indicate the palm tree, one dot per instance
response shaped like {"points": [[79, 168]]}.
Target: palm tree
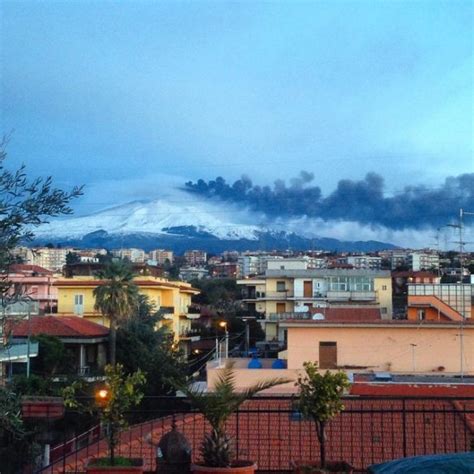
{"points": [[217, 406], [116, 298]]}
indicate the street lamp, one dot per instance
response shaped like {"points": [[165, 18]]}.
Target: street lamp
{"points": [[223, 324]]}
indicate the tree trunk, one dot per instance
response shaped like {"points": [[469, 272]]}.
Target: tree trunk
{"points": [[321, 433], [112, 342]]}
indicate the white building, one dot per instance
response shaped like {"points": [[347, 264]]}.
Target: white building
{"points": [[161, 256], [423, 261], [132, 254]]}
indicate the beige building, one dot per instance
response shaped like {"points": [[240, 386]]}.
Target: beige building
{"points": [[283, 292], [131, 254], [161, 256], [52, 259], [394, 346], [173, 298]]}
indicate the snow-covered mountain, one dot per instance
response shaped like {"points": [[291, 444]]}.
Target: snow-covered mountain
{"points": [[180, 222], [159, 216]]}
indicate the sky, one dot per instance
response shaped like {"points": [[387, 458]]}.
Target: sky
{"points": [[132, 98]]}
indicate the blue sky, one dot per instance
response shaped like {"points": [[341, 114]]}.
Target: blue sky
{"points": [[130, 97]]}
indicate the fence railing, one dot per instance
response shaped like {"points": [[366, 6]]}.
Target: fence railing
{"points": [[271, 431]]}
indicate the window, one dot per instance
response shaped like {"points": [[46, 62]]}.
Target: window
{"points": [[383, 311], [421, 314], [79, 304], [327, 355], [384, 287], [281, 286]]}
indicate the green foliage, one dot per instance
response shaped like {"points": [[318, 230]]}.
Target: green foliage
{"points": [[26, 204], [140, 344], [53, 357], [217, 406], [123, 391], [32, 385], [320, 398], [117, 298], [72, 258]]}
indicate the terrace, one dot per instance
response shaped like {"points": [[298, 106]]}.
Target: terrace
{"points": [[271, 431]]}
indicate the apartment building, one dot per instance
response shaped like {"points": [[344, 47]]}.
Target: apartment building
{"points": [[172, 298], [363, 261], [195, 258], [285, 291], [161, 256], [440, 301], [132, 254], [52, 259], [423, 261]]}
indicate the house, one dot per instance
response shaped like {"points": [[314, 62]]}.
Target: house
{"points": [[85, 339], [34, 284], [171, 298], [293, 288]]}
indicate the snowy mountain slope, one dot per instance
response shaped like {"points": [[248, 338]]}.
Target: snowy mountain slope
{"points": [[154, 217]]}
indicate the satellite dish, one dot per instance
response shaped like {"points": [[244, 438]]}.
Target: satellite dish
{"points": [[318, 317]]}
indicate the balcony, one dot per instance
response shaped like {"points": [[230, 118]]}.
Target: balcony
{"points": [[271, 432], [166, 311], [278, 295], [190, 335], [351, 296]]}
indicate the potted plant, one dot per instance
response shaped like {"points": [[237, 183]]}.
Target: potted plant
{"points": [[320, 399], [217, 449], [119, 393]]}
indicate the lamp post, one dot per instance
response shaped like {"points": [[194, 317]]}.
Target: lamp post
{"points": [[413, 347], [223, 324]]}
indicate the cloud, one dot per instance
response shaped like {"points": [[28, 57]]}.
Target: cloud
{"points": [[364, 202]]}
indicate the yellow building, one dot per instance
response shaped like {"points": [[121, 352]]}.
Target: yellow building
{"points": [[173, 298], [282, 292]]}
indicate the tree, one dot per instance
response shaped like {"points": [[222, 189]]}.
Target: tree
{"points": [[72, 258], [26, 204], [217, 406], [119, 394], [320, 399], [141, 345], [116, 298]]}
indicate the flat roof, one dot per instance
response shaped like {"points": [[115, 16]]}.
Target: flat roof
{"points": [[328, 272]]}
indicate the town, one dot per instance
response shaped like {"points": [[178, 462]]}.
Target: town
{"points": [[396, 322], [236, 237]]}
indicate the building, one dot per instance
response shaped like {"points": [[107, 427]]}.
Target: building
{"points": [[132, 254], [380, 346], [32, 283], [247, 265], [193, 273], [161, 256], [85, 340], [440, 301], [172, 298], [52, 259], [286, 291], [369, 262], [195, 258], [224, 270], [418, 261]]}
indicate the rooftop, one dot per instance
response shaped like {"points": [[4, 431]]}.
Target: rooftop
{"points": [[59, 326]]}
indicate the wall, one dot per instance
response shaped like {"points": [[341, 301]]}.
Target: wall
{"points": [[377, 347], [245, 378], [384, 296]]}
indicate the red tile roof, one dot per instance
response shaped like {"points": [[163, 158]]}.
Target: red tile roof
{"points": [[23, 268], [59, 326]]}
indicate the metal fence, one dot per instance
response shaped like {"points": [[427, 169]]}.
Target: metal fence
{"points": [[271, 431]]}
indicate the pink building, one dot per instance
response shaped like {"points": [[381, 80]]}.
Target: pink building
{"points": [[35, 283]]}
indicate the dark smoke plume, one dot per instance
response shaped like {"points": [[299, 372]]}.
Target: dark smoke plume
{"points": [[359, 201]]}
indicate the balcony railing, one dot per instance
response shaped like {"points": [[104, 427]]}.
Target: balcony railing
{"points": [[351, 295], [278, 295], [288, 316], [271, 432], [166, 309]]}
